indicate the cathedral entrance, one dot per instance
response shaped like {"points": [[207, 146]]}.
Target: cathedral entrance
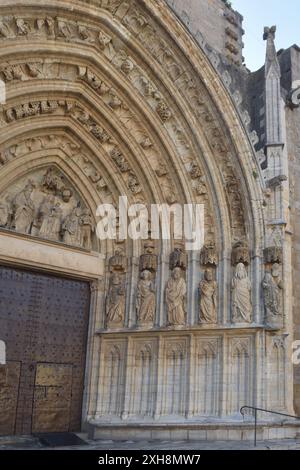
{"points": [[43, 321]]}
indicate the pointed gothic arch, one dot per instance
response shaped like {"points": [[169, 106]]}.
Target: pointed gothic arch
{"points": [[121, 99]]}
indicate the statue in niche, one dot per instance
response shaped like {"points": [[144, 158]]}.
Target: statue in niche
{"points": [[208, 298], [51, 219], [241, 295], [87, 228], [175, 298], [71, 228], [115, 301], [25, 210], [5, 213], [272, 288], [145, 301]]}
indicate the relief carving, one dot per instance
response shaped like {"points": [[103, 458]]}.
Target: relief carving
{"points": [[183, 79], [31, 109], [33, 144], [178, 259], [163, 111], [118, 261], [240, 253], [86, 230], [24, 209], [5, 212], [209, 255], [51, 215], [72, 228], [46, 207], [148, 261]]}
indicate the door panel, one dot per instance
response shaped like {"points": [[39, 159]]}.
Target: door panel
{"points": [[9, 387], [44, 320], [52, 397]]}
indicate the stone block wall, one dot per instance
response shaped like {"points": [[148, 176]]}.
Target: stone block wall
{"points": [[293, 138], [219, 25]]}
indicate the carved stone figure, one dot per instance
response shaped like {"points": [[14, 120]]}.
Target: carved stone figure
{"points": [[87, 227], [115, 301], [51, 181], [51, 220], [175, 298], [272, 288], [104, 40], [208, 298], [50, 26], [71, 228], [145, 301], [241, 295], [67, 203], [4, 29], [25, 209], [22, 27], [5, 212]]}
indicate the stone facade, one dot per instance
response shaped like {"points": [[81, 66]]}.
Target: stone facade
{"points": [[112, 98]]}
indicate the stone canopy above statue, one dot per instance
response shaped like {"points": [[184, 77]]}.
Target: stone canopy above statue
{"points": [[45, 205]]}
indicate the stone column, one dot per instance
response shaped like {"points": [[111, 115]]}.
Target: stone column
{"points": [[97, 319]]}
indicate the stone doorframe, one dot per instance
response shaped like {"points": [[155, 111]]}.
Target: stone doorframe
{"points": [[22, 251]]}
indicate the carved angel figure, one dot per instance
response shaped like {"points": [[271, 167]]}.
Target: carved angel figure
{"points": [[208, 298], [145, 300], [241, 295], [175, 298]]}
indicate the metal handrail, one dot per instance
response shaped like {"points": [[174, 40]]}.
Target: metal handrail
{"points": [[265, 411]]}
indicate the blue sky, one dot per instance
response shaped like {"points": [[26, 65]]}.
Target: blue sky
{"points": [[260, 13]]}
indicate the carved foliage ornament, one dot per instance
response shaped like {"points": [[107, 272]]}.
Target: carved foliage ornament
{"points": [[138, 24], [178, 259], [142, 26], [209, 255], [240, 253]]}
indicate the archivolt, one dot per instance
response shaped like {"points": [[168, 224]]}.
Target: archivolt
{"points": [[142, 55]]}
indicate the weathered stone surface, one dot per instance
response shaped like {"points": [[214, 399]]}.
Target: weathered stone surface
{"points": [[114, 98]]}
